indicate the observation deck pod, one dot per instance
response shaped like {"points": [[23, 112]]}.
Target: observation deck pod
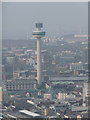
{"points": [[38, 33], [39, 25]]}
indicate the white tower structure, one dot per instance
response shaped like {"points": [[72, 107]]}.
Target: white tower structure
{"points": [[38, 34]]}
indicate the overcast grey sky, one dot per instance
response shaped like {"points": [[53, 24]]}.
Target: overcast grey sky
{"points": [[58, 18]]}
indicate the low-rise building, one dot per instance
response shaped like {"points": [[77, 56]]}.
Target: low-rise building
{"points": [[21, 84]]}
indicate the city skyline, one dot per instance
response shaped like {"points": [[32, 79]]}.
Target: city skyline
{"points": [[45, 66]]}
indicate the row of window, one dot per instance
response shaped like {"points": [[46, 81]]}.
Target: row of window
{"points": [[21, 87]]}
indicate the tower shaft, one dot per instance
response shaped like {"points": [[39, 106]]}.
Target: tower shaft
{"points": [[38, 34], [39, 77]]}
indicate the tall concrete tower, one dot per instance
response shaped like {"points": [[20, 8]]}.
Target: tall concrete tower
{"points": [[38, 34]]}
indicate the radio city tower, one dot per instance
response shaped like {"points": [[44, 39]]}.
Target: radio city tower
{"points": [[38, 34]]}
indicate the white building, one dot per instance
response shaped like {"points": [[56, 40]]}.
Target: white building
{"points": [[86, 94], [76, 66], [61, 96], [47, 96]]}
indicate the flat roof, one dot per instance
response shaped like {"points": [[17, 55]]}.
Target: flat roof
{"points": [[79, 108], [29, 113], [62, 82], [54, 78]]}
